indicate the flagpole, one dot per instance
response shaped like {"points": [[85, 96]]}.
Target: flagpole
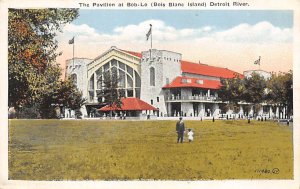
{"points": [[151, 41], [73, 51], [259, 63], [151, 37]]}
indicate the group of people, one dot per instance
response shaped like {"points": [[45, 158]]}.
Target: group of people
{"points": [[180, 129]]}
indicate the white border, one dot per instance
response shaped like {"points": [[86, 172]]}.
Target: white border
{"points": [[232, 184]]}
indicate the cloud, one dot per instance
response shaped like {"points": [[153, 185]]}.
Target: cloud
{"points": [[262, 32], [235, 48]]}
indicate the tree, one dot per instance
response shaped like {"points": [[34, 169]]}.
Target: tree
{"points": [[34, 77], [250, 90], [63, 94], [231, 91], [254, 89], [110, 94], [280, 90], [32, 50]]}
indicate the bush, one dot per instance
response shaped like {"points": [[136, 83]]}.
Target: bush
{"points": [[28, 112], [78, 113]]}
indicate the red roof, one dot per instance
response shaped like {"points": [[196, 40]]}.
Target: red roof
{"points": [[203, 69], [130, 103], [134, 53], [200, 69], [193, 82]]}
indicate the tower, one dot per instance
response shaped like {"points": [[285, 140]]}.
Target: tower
{"points": [[158, 68]]}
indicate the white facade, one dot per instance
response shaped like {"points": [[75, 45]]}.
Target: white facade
{"points": [[77, 70], [164, 67], [145, 75], [266, 75]]}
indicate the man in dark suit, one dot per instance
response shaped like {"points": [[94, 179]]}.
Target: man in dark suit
{"points": [[180, 130]]}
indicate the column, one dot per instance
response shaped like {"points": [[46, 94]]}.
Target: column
{"points": [[215, 110], [169, 110], [95, 88]]}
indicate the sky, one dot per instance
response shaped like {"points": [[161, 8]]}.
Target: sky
{"points": [[226, 38]]}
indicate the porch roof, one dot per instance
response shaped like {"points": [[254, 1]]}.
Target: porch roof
{"points": [[130, 103]]}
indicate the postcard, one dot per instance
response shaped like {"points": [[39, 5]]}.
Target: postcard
{"points": [[142, 93]]}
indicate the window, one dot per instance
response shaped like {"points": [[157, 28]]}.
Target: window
{"points": [[129, 93], [200, 81], [130, 70], [137, 79], [185, 80], [157, 99], [92, 82], [122, 65], [114, 62], [152, 76], [151, 102], [74, 79], [122, 79], [91, 96], [106, 66], [99, 84], [129, 82], [167, 81]]}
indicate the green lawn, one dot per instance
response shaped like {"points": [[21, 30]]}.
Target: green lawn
{"points": [[126, 150]]}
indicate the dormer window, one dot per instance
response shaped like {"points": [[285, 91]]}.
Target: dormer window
{"points": [[185, 80], [199, 81]]}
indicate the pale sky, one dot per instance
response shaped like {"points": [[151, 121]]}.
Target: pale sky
{"points": [[226, 38]]}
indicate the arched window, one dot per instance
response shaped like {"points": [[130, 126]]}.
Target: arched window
{"points": [[74, 79], [152, 76]]}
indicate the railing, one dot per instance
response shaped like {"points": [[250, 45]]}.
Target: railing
{"points": [[192, 98]]}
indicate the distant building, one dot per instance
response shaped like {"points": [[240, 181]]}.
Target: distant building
{"points": [[161, 79], [266, 75]]}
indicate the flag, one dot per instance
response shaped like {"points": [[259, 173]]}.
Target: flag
{"points": [[149, 32], [71, 41], [257, 61]]}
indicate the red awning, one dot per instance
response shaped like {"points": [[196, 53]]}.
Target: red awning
{"points": [[180, 82], [130, 103]]}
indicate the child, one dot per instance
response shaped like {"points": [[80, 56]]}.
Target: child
{"points": [[190, 135]]}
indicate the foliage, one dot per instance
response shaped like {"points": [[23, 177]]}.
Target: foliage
{"points": [[78, 113], [280, 90], [34, 80], [110, 94], [231, 91], [28, 112], [277, 90], [131, 150], [254, 89]]}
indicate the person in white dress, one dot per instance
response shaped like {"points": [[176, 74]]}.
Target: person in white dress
{"points": [[190, 135]]}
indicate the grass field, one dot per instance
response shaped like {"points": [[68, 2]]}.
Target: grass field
{"points": [[134, 150]]}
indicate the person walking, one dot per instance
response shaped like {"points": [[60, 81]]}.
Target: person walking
{"points": [[180, 128]]}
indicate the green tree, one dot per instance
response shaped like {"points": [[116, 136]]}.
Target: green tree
{"points": [[63, 94], [110, 94], [280, 90], [231, 91], [255, 90], [32, 50], [34, 77]]}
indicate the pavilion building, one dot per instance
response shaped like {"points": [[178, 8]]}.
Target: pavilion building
{"points": [[160, 78]]}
